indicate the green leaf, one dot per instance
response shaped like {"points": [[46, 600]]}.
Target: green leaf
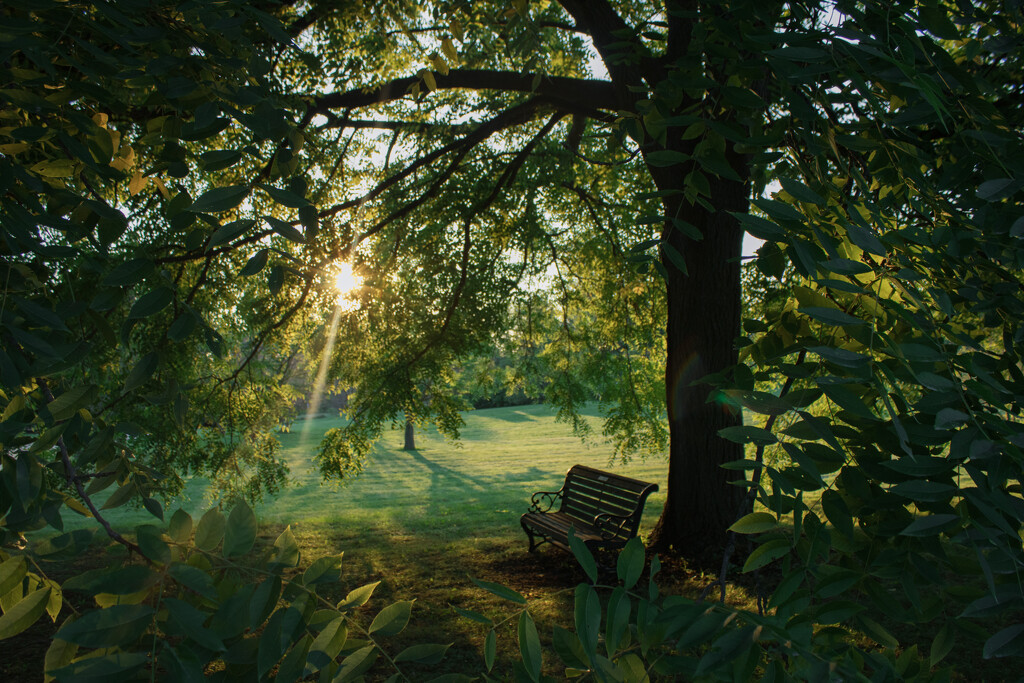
{"points": [[675, 258], [998, 189], [630, 563], [838, 611], [325, 569], [942, 644], [358, 596], [232, 230], [194, 579], [799, 54], [392, 619], [12, 571], [326, 646], [285, 229], [921, 490], [151, 303], [755, 523], [122, 581], [240, 532], [929, 525], [801, 192], [529, 645], [1008, 642], [356, 664], [285, 197], [426, 653], [490, 649], [837, 512], [567, 646], [210, 530], [220, 199], [747, 434], [500, 591], [118, 666], [121, 496], [264, 601], [765, 553], [114, 626], [256, 263], [474, 616], [142, 371], [151, 542], [760, 227], [831, 316], [286, 550], [180, 526], [24, 613], [129, 272], [219, 159], [619, 608], [292, 666], [583, 555], [587, 615], [666, 157], [877, 632], [67, 404]]}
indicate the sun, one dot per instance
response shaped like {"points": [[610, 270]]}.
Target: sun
{"points": [[346, 282]]}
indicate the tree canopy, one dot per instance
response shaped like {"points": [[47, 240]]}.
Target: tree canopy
{"points": [[179, 180]]}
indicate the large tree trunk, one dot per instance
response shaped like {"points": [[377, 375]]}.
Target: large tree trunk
{"points": [[702, 328]]}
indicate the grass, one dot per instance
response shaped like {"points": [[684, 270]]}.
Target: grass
{"points": [[478, 486], [423, 522]]}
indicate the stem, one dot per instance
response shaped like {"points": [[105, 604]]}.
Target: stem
{"points": [[748, 501], [73, 478]]}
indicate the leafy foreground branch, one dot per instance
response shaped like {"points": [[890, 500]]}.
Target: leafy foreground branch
{"points": [[207, 606], [204, 608]]}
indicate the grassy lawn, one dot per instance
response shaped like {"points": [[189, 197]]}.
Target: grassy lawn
{"points": [[422, 522], [477, 487]]}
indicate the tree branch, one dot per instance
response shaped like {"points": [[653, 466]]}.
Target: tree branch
{"points": [[571, 94], [72, 477]]}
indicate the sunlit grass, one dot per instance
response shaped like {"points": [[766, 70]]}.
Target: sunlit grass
{"points": [[477, 487]]}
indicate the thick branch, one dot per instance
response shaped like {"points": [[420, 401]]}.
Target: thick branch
{"points": [[608, 30], [571, 94], [511, 117]]}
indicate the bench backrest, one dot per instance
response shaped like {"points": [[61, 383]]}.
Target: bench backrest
{"points": [[589, 492]]}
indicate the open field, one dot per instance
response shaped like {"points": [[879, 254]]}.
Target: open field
{"points": [[477, 487], [423, 522]]}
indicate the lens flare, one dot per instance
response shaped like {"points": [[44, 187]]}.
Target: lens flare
{"points": [[346, 281]]}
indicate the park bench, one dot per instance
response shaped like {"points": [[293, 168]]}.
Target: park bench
{"points": [[603, 508]]}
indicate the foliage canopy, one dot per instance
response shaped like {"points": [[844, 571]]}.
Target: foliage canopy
{"points": [[178, 179]]}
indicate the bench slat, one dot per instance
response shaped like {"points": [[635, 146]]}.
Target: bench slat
{"points": [[589, 493]]}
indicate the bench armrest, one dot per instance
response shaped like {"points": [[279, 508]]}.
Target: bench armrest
{"points": [[611, 525], [542, 501]]}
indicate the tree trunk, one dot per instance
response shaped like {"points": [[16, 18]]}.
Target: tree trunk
{"points": [[703, 324], [410, 437]]}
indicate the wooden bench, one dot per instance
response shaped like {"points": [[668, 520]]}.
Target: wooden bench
{"points": [[603, 508]]}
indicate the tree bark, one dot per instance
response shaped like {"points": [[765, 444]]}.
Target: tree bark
{"points": [[703, 323], [410, 436]]}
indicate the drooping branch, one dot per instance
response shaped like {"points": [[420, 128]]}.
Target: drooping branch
{"points": [[72, 476], [513, 116]]}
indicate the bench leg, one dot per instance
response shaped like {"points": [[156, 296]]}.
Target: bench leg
{"points": [[530, 535]]}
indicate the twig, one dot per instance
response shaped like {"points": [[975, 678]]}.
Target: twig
{"points": [[748, 504], [73, 478]]}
